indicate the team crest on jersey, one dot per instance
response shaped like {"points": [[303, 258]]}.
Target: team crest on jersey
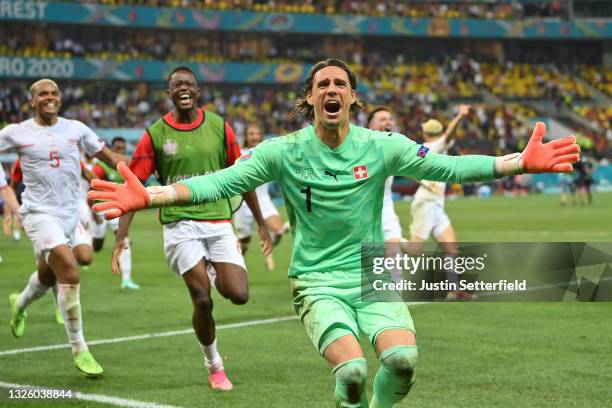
{"points": [[360, 172], [304, 174], [422, 152], [170, 147]]}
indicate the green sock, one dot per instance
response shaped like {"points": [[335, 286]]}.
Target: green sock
{"points": [[395, 376], [351, 378]]}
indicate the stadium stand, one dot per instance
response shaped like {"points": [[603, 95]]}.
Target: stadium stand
{"points": [[599, 77], [511, 77], [473, 9]]}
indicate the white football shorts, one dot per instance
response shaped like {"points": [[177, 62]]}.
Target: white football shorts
{"points": [[244, 219], [428, 218], [47, 232], [187, 242]]}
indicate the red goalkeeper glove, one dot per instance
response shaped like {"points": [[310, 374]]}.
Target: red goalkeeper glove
{"points": [[553, 157], [119, 199]]}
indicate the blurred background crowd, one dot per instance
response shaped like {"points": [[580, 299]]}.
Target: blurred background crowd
{"points": [[510, 82]]}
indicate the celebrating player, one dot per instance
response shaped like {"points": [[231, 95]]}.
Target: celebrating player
{"points": [[81, 245], [199, 241], [427, 209], [331, 218], [99, 225], [243, 218], [48, 148]]}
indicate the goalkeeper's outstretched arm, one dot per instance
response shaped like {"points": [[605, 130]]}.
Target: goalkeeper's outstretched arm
{"points": [[556, 156], [119, 199]]}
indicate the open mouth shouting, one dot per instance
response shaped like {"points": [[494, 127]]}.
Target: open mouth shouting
{"points": [[332, 108]]}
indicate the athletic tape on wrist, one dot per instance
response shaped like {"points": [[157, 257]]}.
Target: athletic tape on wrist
{"points": [[161, 196], [509, 165]]}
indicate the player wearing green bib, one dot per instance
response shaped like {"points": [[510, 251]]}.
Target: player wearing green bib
{"points": [[332, 175], [99, 225], [199, 242]]}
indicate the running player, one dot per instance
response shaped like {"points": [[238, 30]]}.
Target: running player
{"points": [[81, 245], [199, 242], [48, 148], [427, 209], [331, 218], [99, 225], [243, 218]]}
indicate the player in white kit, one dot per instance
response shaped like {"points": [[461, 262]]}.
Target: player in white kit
{"points": [[48, 148], [243, 218], [81, 245], [427, 209], [381, 119]]}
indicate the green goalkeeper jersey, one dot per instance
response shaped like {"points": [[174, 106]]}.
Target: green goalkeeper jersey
{"points": [[334, 196]]}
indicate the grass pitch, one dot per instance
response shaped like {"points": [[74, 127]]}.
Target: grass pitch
{"points": [[479, 354]]}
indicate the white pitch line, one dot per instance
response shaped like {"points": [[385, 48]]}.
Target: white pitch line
{"points": [[162, 334], [147, 336], [104, 399]]}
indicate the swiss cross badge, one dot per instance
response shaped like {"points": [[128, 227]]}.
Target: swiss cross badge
{"points": [[360, 172]]}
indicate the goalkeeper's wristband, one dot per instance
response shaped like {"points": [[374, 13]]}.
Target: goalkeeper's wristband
{"points": [[508, 165], [161, 196]]}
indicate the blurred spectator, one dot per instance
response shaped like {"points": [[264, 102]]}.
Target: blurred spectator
{"points": [[599, 77], [532, 81]]}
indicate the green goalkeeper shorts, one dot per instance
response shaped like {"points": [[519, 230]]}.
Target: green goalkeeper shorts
{"points": [[330, 306]]}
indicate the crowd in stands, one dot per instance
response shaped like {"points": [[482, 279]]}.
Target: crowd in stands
{"points": [[120, 44], [374, 8], [487, 130], [393, 83], [599, 77], [418, 78], [532, 81], [388, 69], [125, 43], [600, 131], [600, 117], [113, 105]]}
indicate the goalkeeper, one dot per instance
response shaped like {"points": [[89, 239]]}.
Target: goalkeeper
{"points": [[331, 216]]}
